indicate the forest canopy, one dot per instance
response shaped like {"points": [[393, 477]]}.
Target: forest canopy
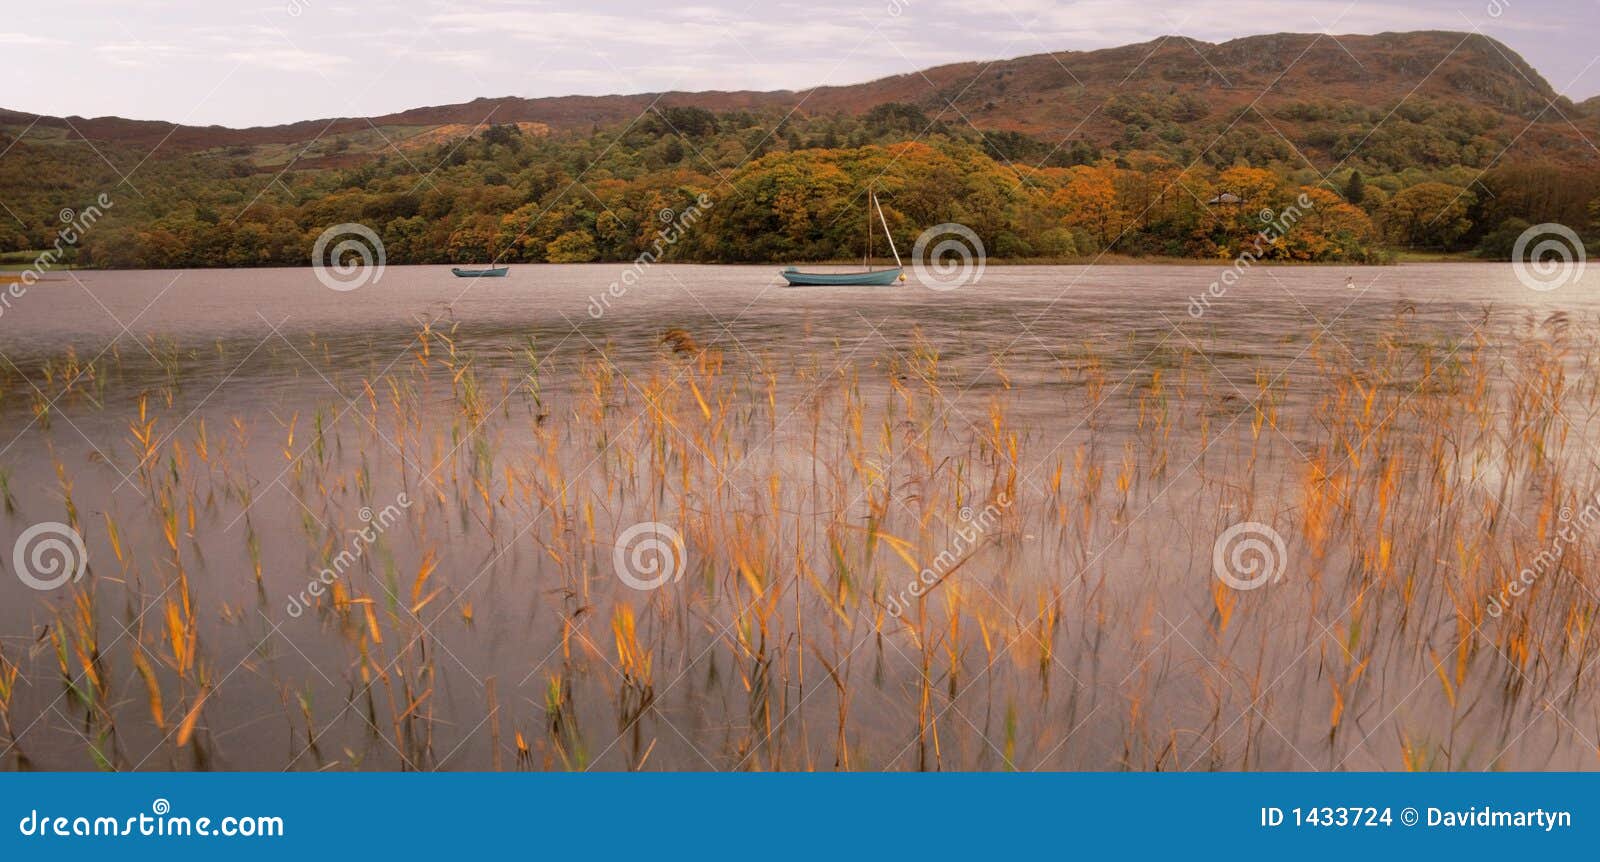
{"points": [[793, 189]]}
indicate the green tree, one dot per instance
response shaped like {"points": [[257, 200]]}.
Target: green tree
{"points": [[1498, 243], [1355, 191], [574, 246], [1432, 215]]}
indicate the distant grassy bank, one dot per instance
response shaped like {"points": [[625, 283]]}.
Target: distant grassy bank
{"points": [[12, 263]]}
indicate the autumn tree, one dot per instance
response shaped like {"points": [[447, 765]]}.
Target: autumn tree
{"points": [[1329, 228], [572, 247], [1089, 203], [1430, 215]]}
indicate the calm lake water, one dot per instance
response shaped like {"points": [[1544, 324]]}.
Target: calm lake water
{"points": [[1031, 315], [1069, 303], [1059, 446]]}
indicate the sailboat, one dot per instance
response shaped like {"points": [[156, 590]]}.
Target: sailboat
{"points": [[487, 272], [871, 276]]}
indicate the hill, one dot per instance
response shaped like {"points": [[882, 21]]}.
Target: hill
{"points": [[1303, 83], [1139, 137]]}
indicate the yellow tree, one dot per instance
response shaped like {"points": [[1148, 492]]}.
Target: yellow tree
{"points": [[1089, 201], [1149, 192], [1244, 195], [1429, 214], [1255, 187], [1328, 228]]}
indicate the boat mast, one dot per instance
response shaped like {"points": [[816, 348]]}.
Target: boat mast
{"points": [[885, 223], [866, 262]]}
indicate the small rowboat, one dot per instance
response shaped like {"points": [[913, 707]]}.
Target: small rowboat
{"points": [[797, 278], [491, 272], [897, 273]]}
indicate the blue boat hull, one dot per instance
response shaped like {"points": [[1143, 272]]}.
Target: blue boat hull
{"points": [[874, 277], [496, 272]]}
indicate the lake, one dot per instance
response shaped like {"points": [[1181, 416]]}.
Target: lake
{"points": [[1105, 517]]}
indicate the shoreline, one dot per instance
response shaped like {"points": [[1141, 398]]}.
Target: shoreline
{"points": [[12, 276]]}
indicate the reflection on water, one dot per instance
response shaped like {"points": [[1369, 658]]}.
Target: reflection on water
{"points": [[864, 528]]}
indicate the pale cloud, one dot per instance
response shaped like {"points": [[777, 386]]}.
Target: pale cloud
{"points": [[273, 62], [466, 59], [703, 30], [28, 39], [288, 59], [137, 54]]}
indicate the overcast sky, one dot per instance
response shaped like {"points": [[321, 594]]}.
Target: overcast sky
{"points": [[262, 62]]}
